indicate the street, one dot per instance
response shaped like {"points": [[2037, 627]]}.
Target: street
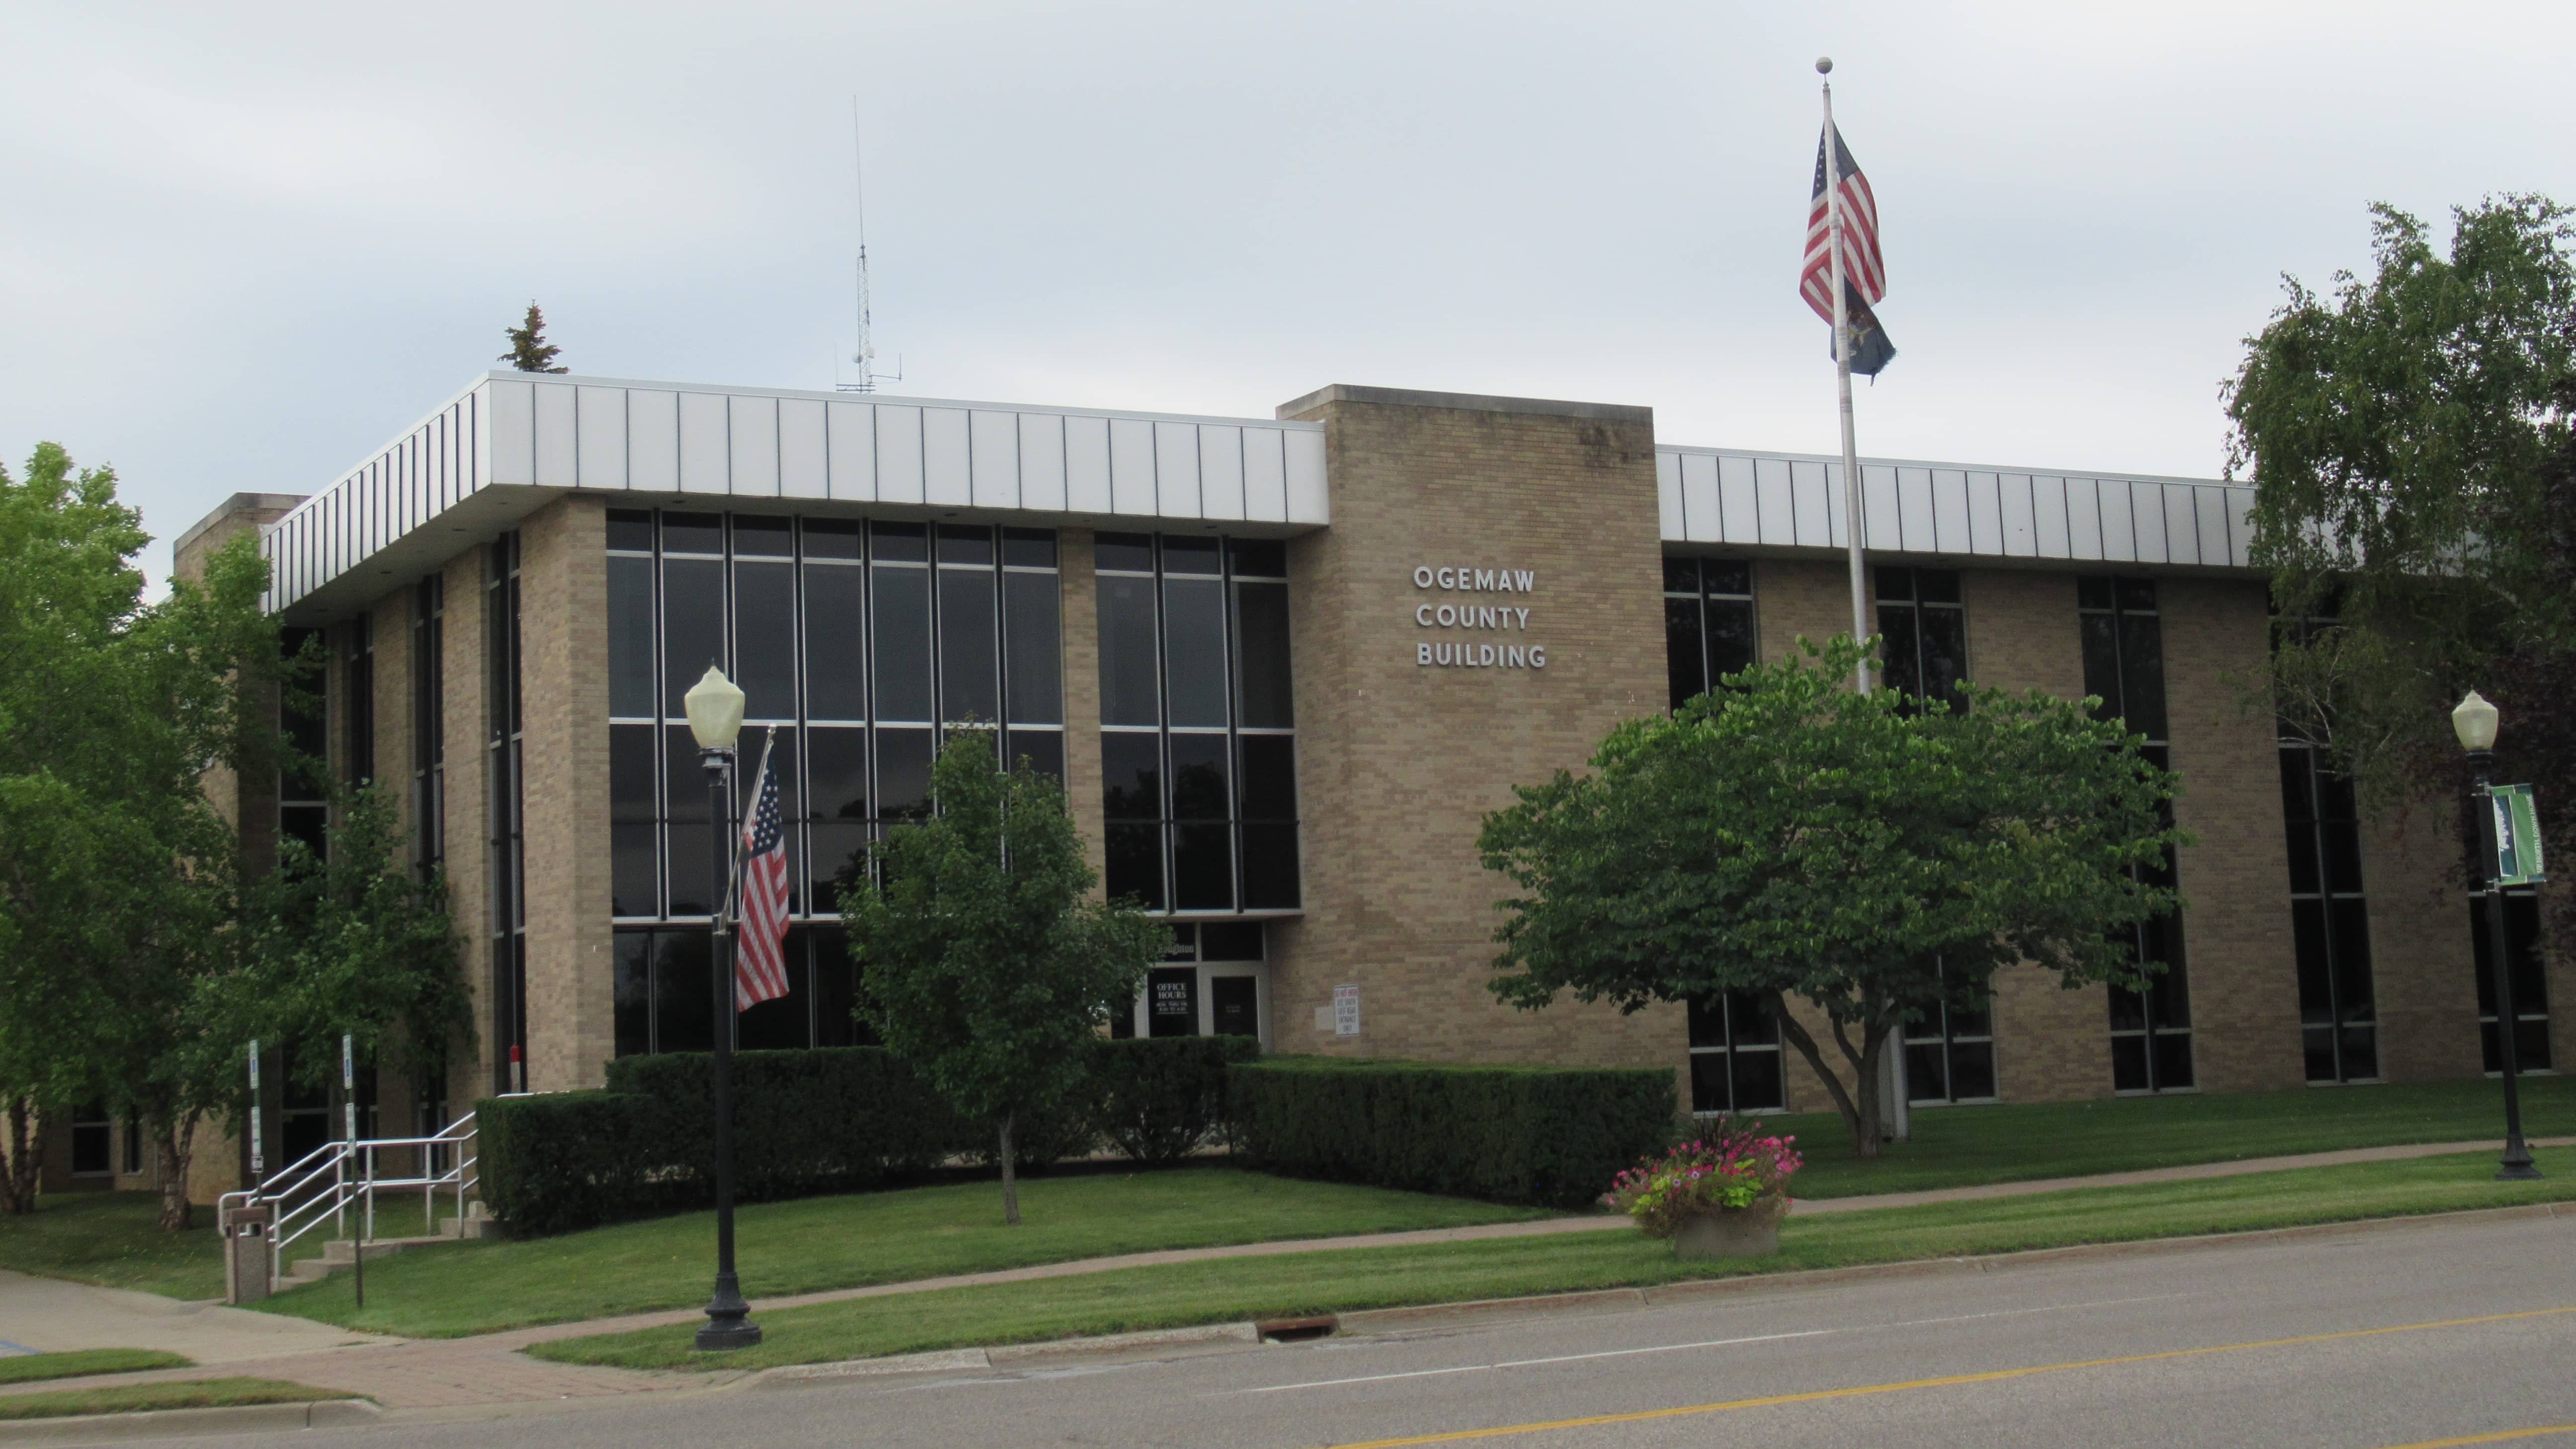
{"points": [[2417, 1334]]}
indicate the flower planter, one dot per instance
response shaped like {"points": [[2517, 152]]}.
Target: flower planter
{"points": [[1745, 1232]]}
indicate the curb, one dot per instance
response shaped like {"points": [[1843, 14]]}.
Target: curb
{"points": [[1444, 1316], [1614, 1300], [999, 1355], [178, 1423]]}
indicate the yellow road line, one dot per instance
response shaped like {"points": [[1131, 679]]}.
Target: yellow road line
{"points": [[1455, 1436], [2500, 1437]]}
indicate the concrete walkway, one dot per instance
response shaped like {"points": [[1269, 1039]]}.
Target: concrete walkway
{"points": [[488, 1369]]}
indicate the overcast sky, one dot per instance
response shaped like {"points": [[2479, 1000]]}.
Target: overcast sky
{"points": [[242, 245]]}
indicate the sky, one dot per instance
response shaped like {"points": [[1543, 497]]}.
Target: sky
{"points": [[242, 246]]}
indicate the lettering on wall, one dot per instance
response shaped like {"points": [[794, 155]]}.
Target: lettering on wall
{"points": [[1479, 632]]}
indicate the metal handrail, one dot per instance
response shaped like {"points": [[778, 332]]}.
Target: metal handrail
{"points": [[303, 1199]]}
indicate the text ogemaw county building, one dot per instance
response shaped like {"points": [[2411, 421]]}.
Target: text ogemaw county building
{"points": [[1283, 666]]}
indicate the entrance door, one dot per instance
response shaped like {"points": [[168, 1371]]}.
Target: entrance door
{"points": [[1236, 1005]]}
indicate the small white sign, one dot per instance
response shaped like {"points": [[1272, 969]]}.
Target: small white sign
{"points": [[1346, 1011]]}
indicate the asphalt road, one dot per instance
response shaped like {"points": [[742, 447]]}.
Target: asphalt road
{"points": [[2430, 1334]]}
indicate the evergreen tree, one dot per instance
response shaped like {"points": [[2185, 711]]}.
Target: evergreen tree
{"points": [[529, 349]]}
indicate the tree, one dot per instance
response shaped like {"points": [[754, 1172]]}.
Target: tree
{"points": [[1871, 855], [120, 880], [988, 965], [349, 943], [2412, 440], [529, 349]]}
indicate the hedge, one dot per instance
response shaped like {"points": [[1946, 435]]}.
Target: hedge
{"points": [[1547, 1135], [836, 1119], [1158, 1099]]}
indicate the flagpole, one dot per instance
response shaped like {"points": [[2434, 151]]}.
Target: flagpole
{"points": [[1842, 378], [1898, 1094]]}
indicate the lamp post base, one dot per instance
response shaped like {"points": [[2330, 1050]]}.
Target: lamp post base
{"points": [[2517, 1166], [728, 1322]]}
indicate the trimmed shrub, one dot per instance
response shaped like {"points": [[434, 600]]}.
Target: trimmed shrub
{"points": [[1548, 1135], [837, 1119], [566, 1160], [1156, 1099]]}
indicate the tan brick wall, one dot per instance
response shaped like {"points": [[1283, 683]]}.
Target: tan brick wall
{"points": [[1398, 763], [2051, 1044], [2235, 880], [1081, 615], [2423, 970], [1797, 599], [563, 631]]}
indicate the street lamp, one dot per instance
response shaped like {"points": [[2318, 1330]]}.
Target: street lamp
{"points": [[714, 706], [2474, 721]]}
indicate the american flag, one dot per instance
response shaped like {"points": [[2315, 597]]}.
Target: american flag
{"points": [[760, 966], [1864, 269]]}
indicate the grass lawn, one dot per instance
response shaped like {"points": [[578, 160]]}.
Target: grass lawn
{"points": [[189, 1394], [28, 1368], [843, 1242], [1350, 1279], [1961, 1146], [111, 1239], [818, 1243]]}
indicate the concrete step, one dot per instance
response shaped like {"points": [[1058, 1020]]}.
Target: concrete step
{"points": [[341, 1252]]}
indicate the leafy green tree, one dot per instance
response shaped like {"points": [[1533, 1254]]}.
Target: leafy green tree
{"points": [[987, 964], [2412, 440], [120, 881], [1870, 856], [529, 349], [348, 943]]}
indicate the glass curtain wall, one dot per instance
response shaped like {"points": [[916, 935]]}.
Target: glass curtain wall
{"points": [[1950, 1054], [856, 644], [2329, 907], [504, 726], [428, 723], [304, 717], [1708, 622], [1735, 1056], [358, 675], [1923, 621], [2124, 667], [2530, 978], [1198, 738]]}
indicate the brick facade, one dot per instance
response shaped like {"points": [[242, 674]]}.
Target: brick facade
{"points": [[1399, 762]]}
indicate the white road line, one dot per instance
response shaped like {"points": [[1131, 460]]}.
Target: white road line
{"points": [[1475, 1368], [1709, 1343]]}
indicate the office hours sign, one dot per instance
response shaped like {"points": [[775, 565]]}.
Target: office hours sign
{"points": [[1474, 618]]}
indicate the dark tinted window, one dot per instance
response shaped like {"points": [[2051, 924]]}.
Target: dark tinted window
{"points": [[630, 529], [761, 537], [901, 600], [1127, 552], [630, 637], [1033, 648], [1128, 658]]}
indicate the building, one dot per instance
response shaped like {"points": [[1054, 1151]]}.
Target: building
{"points": [[1283, 666]]}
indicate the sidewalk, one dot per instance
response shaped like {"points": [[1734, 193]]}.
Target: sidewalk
{"points": [[489, 1369]]}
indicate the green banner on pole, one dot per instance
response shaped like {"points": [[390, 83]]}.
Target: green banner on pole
{"points": [[2517, 836]]}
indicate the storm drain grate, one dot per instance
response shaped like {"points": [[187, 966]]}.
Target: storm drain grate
{"points": [[1296, 1330]]}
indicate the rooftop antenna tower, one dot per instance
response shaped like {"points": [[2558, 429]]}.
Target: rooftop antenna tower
{"points": [[866, 357]]}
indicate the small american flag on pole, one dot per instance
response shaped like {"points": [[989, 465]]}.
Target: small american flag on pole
{"points": [[1864, 269], [760, 966]]}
